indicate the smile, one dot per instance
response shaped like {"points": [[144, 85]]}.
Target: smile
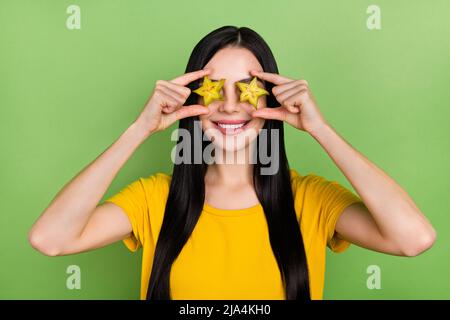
{"points": [[230, 127]]}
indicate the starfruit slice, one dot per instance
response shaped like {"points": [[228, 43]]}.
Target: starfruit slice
{"points": [[210, 90], [251, 92]]}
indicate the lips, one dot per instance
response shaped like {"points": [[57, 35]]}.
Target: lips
{"points": [[230, 127]]}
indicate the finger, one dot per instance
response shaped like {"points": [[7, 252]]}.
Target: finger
{"points": [[288, 99], [294, 100], [187, 111], [271, 77], [181, 91], [281, 97], [163, 85], [292, 108], [169, 96], [190, 76], [278, 113], [281, 88], [167, 102]]}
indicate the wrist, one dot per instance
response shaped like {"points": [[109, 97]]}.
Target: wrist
{"points": [[317, 131], [139, 130]]}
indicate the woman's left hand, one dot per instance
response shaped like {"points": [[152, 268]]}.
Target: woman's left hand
{"points": [[298, 107]]}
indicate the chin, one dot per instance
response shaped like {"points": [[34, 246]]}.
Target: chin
{"points": [[232, 135]]}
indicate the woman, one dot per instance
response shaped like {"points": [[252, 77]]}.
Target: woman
{"points": [[219, 230]]}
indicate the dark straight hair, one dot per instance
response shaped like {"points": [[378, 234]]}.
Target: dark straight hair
{"points": [[187, 188]]}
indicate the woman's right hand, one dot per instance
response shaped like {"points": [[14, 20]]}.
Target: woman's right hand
{"points": [[165, 106], [65, 226]]}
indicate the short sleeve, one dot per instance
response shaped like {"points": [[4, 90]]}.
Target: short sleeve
{"points": [[332, 198], [133, 201]]}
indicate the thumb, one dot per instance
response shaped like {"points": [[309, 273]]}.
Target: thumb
{"points": [[187, 111], [278, 113]]}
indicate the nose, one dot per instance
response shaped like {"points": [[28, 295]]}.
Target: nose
{"points": [[230, 101]]}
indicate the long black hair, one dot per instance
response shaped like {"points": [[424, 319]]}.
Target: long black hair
{"points": [[187, 188]]}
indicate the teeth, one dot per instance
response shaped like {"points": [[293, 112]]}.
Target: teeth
{"points": [[231, 126]]}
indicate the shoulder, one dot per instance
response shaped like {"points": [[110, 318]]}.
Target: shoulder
{"points": [[162, 178], [155, 179], [156, 187], [318, 203], [299, 183], [156, 184], [303, 182], [308, 192], [315, 188]]}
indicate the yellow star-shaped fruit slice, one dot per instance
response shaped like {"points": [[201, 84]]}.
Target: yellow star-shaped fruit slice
{"points": [[210, 90], [251, 92]]}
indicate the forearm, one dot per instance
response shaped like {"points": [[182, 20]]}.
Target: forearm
{"points": [[69, 211], [395, 213]]}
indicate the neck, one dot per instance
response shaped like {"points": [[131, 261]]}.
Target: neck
{"points": [[232, 168], [230, 174]]}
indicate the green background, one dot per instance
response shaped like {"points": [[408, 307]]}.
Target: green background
{"points": [[66, 95]]}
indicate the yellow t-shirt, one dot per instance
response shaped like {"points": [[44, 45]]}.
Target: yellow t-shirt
{"points": [[228, 255]]}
